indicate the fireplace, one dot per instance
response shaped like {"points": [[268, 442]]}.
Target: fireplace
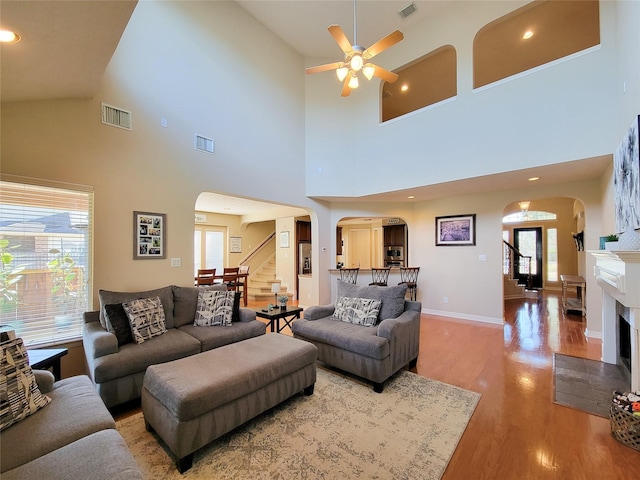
{"points": [[618, 274]]}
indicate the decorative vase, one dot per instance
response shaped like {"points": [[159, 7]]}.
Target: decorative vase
{"points": [[629, 240], [611, 246], [283, 299]]}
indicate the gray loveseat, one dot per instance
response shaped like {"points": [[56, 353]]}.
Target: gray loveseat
{"points": [[73, 437], [118, 370], [372, 352]]}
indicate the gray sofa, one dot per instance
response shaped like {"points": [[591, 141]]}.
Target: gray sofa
{"points": [[73, 437], [118, 371], [374, 353]]}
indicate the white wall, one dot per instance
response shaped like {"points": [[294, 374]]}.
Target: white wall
{"points": [[569, 111]]}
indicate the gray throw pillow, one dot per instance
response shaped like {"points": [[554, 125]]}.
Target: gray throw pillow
{"points": [[146, 317], [392, 298], [185, 301], [214, 308], [359, 311]]}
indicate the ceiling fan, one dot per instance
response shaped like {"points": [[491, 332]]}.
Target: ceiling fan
{"points": [[356, 58]]}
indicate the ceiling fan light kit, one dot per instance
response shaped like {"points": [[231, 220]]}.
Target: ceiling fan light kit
{"points": [[356, 58]]}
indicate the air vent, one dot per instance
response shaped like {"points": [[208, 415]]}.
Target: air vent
{"points": [[203, 144], [408, 10], [116, 117]]}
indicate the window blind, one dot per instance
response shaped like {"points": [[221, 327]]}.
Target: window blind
{"points": [[46, 251]]}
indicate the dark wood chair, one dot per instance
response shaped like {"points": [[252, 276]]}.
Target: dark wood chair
{"points": [[205, 276], [349, 275], [230, 278], [243, 281], [409, 275], [380, 276]]}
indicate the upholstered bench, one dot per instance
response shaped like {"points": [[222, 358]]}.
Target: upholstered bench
{"points": [[192, 401]]}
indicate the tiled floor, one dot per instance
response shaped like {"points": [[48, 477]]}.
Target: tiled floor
{"points": [[586, 385]]}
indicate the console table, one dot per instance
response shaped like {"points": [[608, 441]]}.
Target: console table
{"points": [[575, 304]]}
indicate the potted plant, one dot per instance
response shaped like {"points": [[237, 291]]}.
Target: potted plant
{"points": [[64, 293], [10, 275], [611, 242], [283, 299]]}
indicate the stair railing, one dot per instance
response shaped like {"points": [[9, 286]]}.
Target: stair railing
{"points": [[519, 268]]}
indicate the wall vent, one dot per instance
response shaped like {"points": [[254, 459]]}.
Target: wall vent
{"points": [[408, 10], [116, 117], [204, 144]]}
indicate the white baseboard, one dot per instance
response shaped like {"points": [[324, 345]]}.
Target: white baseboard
{"points": [[464, 316]]}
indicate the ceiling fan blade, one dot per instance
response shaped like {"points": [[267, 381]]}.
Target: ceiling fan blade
{"points": [[339, 36], [323, 68], [383, 44], [346, 89], [385, 75]]}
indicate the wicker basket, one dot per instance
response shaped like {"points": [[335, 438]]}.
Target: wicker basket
{"points": [[625, 427]]}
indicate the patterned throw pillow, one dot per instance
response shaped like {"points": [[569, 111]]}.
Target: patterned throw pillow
{"points": [[19, 392], [360, 311], [146, 317], [215, 308]]}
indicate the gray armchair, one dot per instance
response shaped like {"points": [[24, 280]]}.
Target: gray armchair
{"points": [[374, 353]]}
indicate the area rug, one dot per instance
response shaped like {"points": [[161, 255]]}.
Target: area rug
{"points": [[585, 384], [344, 430]]}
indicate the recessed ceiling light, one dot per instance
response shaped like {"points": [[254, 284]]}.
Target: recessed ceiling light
{"points": [[533, 179], [411, 196], [404, 88], [7, 36], [527, 35]]}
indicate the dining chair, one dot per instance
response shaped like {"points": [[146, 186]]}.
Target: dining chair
{"points": [[230, 278], [205, 276], [409, 275], [380, 276], [349, 275], [243, 281]]}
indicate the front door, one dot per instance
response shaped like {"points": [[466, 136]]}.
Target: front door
{"points": [[528, 241]]}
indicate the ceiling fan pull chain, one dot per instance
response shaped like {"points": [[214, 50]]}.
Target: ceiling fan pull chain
{"points": [[355, 24]]}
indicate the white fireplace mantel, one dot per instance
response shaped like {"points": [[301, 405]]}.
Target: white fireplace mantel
{"points": [[618, 274]]}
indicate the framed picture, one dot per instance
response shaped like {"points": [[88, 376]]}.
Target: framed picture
{"points": [[626, 179], [236, 245], [284, 239], [456, 230], [149, 235]]}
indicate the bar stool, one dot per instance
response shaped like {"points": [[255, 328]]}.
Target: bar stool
{"points": [[409, 275], [380, 276], [349, 275]]}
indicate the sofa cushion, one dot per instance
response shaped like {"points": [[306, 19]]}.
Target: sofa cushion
{"points": [[360, 311], [166, 297], [75, 411], [134, 358], [119, 321], [214, 308], [343, 335], [185, 301], [19, 392], [392, 298], [146, 317], [103, 455], [212, 337]]}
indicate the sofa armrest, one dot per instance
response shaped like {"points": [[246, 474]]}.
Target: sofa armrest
{"points": [[45, 380], [247, 315], [319, 311], [400, 327], [96, 340]]}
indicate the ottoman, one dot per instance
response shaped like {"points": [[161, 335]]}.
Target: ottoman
{"points": [[194, 400]]}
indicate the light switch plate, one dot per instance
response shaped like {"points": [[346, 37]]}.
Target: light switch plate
{"points": [[176, 262]]}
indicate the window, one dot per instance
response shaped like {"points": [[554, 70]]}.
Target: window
{"points": [[45, 272], [533, 216], [552, 254], [208, 248]]}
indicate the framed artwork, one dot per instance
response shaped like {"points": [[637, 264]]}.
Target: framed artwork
{"points": [[235, 245], [149, 235], [626, 179], [456, 230], [284, 239]]}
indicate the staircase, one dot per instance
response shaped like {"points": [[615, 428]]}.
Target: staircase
{"points": [[260, 283], [513, 290]]}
